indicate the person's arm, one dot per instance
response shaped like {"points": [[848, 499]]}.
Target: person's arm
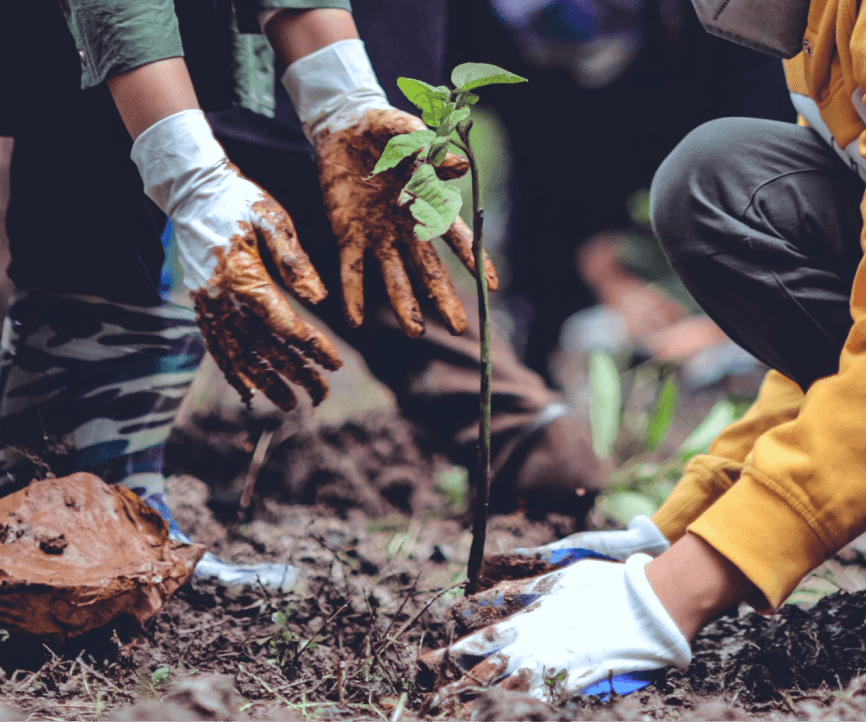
{"points": [[348, 119], [116, 36], [223, 222], [296, 33], [695, 584], [151, 92]]}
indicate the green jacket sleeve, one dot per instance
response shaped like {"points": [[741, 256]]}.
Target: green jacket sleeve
{"points": [[113, 36], [248, 9]]}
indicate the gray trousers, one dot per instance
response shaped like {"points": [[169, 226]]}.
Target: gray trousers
{"points": [[762, 222]]}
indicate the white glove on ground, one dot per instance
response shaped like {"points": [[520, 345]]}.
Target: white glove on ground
{"points": [[333, 87], [582, 624], [642, 535]]}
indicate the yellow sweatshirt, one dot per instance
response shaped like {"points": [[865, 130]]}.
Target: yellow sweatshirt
{"points": [[784, 488]]}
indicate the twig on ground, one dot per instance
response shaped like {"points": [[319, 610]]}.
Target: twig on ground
{"points": [[253, 471], [414, 619], [264, 685], [103, 678], [406, 597]]}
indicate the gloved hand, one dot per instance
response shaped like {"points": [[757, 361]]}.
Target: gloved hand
{"points": [[591, 622], [349, 121], [642, 535], [223, 223]]}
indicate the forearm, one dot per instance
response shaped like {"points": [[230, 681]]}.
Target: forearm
{"points": [[696, 584], [296, 33], [151, 92]]}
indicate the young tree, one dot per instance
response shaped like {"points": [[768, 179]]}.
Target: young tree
{"points": [[435, 205]]}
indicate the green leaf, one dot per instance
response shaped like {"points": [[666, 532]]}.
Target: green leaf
{"points": [[435, 204], [721, 416], [450, 121], [421, 94], [475, 75], [159, 676], [431, 100], [436, 114], [663, 414], [639, 208], [439, 151], [604, 404], [623, 506], [402, 146], [453, 484], [466, 98]]}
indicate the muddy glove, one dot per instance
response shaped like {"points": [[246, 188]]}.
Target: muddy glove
{"points": [[568, 631], [223, 223], [642, 535], [348, 119]]}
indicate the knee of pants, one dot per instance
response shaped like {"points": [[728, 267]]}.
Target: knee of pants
{"points": [[687, 184]]}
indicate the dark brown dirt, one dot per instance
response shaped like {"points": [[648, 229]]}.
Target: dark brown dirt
{"points": [[376, 464], [381, 570], [497, 568]]}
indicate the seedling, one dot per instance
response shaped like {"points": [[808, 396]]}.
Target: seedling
{"points": [[435, 205], [159, 676]]}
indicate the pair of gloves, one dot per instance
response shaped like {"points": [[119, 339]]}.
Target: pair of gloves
{"points": [[224, 224], [593, 626]]}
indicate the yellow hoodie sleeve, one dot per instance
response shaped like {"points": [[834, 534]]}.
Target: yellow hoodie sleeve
{"points": [[710, 475], [801, 495], [801, 491]]}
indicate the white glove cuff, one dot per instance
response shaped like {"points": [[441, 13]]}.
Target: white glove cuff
{"points": [[333, 87], [655, 622], [647, 537], [174, 156]]}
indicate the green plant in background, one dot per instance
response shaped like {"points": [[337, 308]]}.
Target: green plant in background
{"points": [[159, 676], [645, 474], [151, 684], [435, 205], [284, 645]]}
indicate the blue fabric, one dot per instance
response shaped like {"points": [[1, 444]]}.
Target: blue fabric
{"points": [[622, 684], [167, 277], [566, 557]]}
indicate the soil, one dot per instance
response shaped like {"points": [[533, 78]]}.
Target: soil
{"points": [[357, 505]]}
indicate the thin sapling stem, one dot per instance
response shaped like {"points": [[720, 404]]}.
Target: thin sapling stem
{"points": [[436, 206], [482, 489]]}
